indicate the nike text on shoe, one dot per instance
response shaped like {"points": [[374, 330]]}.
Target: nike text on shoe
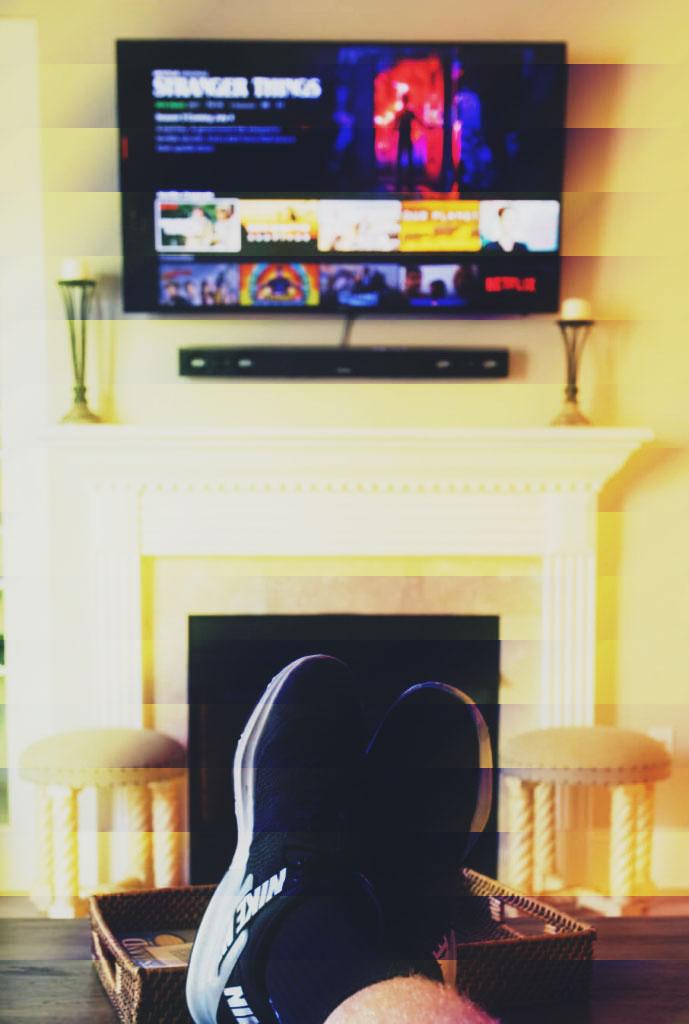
{"points": [[426, 795], [290, 874]]}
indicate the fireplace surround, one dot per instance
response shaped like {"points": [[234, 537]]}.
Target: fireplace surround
{"points": [[98, 502]]}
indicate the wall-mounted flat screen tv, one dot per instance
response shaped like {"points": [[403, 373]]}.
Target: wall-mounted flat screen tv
{"points": [[389, 178]]}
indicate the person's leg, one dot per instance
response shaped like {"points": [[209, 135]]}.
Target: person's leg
{"points": [[408, 1001]]}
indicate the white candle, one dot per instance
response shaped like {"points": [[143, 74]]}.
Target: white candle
{"points": [[576, 309], [75, 270]]}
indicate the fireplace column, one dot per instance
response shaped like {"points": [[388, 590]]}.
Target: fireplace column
{"points": [[116, 601], [569, 610]]}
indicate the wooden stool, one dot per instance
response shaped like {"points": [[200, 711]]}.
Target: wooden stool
{"points": [[143, 765], [628, 763]]}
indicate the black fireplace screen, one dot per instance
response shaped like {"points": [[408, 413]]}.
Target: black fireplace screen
{"points": [[233, 657]]}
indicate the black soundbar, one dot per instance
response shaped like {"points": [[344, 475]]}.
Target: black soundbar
{"points": [[390, 363]]}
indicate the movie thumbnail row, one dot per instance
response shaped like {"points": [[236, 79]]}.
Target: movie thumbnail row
{"points": [[186, 285], [201, 222]]}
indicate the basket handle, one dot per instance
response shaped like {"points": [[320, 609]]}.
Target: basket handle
{"points": [[107, 962], [555, 921]]}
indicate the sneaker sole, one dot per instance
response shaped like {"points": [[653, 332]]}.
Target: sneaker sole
{"points": [[484, 797], [205, 982]]}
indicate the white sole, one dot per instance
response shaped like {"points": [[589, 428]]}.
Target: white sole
{"points": [[204, 985], [484, 797]]}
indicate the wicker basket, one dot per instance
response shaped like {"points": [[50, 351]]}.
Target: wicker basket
{"points": [[543, 956], [498, 966], [144, 995]]}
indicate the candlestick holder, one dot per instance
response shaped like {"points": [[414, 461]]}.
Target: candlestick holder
{"points": [[574, 334], [77, 296]]}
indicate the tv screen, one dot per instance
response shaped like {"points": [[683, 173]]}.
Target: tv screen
{"points": [[390, 178]]}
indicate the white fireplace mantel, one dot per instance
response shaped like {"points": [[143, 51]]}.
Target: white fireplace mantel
{"points": [[92, 503], [453, 492], [526, 457]]}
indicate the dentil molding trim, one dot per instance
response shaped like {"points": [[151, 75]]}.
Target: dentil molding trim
{"points": [[370, 461]]}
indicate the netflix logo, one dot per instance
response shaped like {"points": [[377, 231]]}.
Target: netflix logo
{"points": [[497, 284]]}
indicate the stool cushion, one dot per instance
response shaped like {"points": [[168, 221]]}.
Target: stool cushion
{"points": [[590, 755], [103, 757]]}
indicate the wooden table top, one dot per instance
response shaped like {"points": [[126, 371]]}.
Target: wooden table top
{"points": [[641, 974]]}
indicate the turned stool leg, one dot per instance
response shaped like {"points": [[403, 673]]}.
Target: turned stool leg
{"points": [[644, 835], [623, 843], [520, 804], [42, 892], [65, 852], [138, 810], [544, 834], [167, 845]]}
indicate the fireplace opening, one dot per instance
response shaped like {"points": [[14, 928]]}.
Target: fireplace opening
{"points": [[233, 657]]}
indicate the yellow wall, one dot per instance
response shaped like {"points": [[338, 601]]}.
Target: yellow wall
{"points": [[626, 246]]}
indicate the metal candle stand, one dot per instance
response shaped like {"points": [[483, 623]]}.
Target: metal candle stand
{"points": [[574, 334], [77, 296]]}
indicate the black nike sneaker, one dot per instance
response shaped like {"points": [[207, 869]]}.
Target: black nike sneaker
{"points": [[292, 929], [425, 797]]}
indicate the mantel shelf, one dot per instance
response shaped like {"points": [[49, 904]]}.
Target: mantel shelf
{"points": [[494, 458]]}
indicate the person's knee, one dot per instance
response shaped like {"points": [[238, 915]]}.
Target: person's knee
{"points": [[408, 1001]]}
